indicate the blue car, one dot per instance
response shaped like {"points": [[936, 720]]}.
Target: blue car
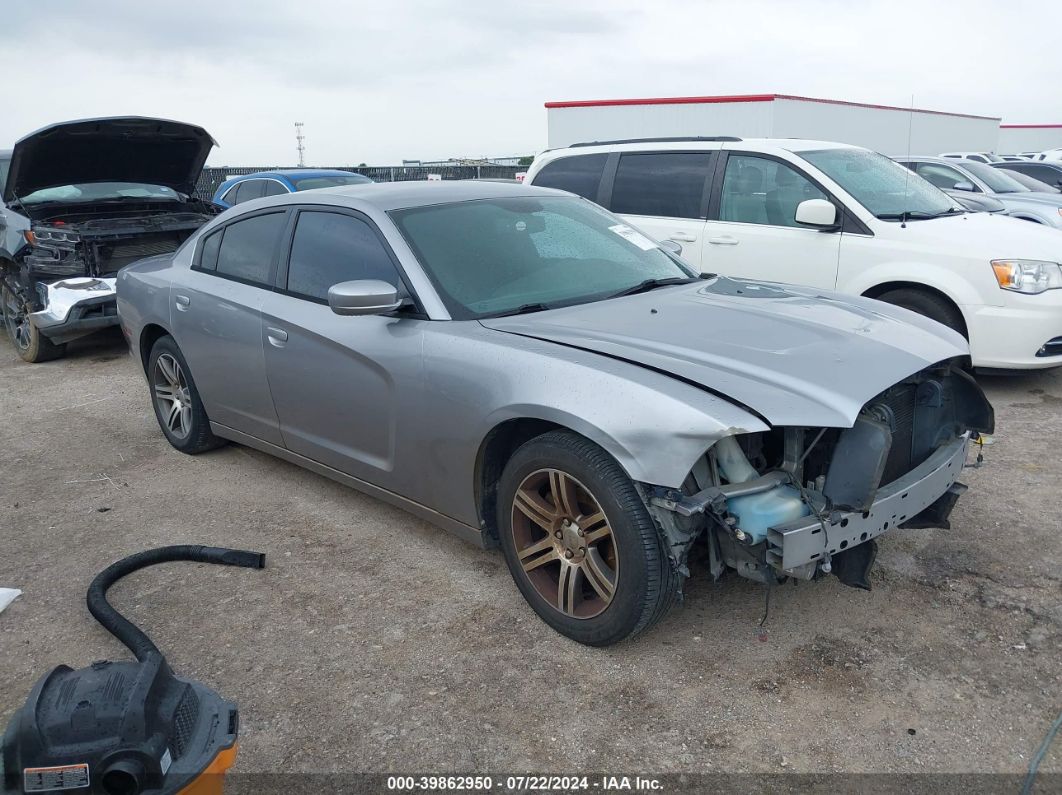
{"points": [[272, 183]]}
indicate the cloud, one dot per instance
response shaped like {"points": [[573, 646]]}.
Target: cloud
{"points": [[377, 82]]}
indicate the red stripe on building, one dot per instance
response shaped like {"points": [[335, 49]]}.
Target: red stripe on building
{"points": [[601, 103]]}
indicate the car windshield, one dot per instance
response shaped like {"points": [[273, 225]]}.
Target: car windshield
{"points": [[100, 191], [884, 187], [1032, 184], [492, 257], [309, 183], [997, 180]]}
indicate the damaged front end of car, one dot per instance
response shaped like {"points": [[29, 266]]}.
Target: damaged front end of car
{"points": [[83, 199], [802, 502]]}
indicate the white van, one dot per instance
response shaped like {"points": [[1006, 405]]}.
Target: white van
{"points": [[836, 217]]}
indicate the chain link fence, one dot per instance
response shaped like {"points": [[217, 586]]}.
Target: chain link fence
{"points": [[214, 176]]}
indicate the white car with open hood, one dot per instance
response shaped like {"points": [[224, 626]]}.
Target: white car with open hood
{"points": [[82, 199], [834, 217]]}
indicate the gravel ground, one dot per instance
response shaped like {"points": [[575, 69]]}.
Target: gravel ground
{"points": [[373, 642]]}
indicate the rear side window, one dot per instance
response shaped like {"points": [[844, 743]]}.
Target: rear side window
{"points": [[330, 248], [669, 184], [248, 247], [208, 256], [580, 175]]}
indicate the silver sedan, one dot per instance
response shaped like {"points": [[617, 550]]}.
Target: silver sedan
{"points": [[524, 369]]}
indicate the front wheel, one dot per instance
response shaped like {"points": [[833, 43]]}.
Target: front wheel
{"points": [[175, 399], [30, 344], [931, 305], [580, 543]]}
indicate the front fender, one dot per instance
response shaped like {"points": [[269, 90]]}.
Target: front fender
{"points": [[959, 289], [654, 425]]}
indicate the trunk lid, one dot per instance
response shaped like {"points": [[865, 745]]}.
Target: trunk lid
{"points": [[119, 149]]}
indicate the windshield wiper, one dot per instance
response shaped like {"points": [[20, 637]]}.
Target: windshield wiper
{"points": [[523, 309], [652, 284], [917, 215]]}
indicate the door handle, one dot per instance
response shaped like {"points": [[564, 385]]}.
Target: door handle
{"points": [[182, 302], [277, 336], [682, 237], [725, 240]]}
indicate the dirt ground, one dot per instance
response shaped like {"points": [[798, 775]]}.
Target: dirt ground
{"points": [[373, 642]]}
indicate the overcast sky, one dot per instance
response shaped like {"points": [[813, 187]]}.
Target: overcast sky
{"points": [[377, 82]]}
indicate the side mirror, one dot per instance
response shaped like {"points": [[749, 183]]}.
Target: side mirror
{"points": [[364, 297], [816, 212], [964, 185], [671, 245]]}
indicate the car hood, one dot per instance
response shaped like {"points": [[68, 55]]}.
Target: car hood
{"points": [[794, 355], [1031, 198], [126, 149], [981, 236]]}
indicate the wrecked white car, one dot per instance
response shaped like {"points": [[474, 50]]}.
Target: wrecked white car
{"points": [[81, 200]]}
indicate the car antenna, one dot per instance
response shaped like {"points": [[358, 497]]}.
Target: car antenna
{"points": [[907, 177]]}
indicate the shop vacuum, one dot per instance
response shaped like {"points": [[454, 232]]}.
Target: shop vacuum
{"points": [[124, 728]]}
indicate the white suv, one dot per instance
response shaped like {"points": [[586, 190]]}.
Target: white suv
{"points": [[836, 217]]}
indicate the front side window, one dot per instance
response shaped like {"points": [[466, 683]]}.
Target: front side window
{"points": [[943, 177], [273, 188], [250, 189], [497, 256], [249, 246], [666, 184], [330, 248], [761, 191], [887, 189], [580, 175]]}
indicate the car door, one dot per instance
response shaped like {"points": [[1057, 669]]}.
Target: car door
{"points": [[665, 194], [338, 382], [217, 321], [751, 230]]}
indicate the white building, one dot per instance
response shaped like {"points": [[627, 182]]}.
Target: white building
{"points": [[1014, 138], [886, 129]]}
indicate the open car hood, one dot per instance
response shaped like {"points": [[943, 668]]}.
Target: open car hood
{"points": [[118, 149], [794, 355]]}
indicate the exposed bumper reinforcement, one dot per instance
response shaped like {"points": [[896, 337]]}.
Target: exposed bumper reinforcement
{"points": [[804, 540], [75, 307]]}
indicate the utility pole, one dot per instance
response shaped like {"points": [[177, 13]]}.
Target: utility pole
{"points": [[299, 138]]}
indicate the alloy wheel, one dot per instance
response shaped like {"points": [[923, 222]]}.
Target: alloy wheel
{"points": [[17, 320], [172, 396], [565, 543]]}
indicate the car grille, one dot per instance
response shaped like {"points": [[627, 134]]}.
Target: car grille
{"points": [[115, 256]]}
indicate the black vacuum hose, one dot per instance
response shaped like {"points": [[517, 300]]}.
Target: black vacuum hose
{"points": [[123, 629]]}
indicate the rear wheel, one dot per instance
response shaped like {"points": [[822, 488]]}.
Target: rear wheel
{"points": [[175, 399], [30, 344], [580, 543], [929, 304]]}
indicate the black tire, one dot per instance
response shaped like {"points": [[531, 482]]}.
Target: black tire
{"points": [[644, 584], [195, 437], [30, 344], [931, 305]]}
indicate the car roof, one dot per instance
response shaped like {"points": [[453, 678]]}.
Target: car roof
{"points": [[296, 172], [687, 144], [387, 196]]}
